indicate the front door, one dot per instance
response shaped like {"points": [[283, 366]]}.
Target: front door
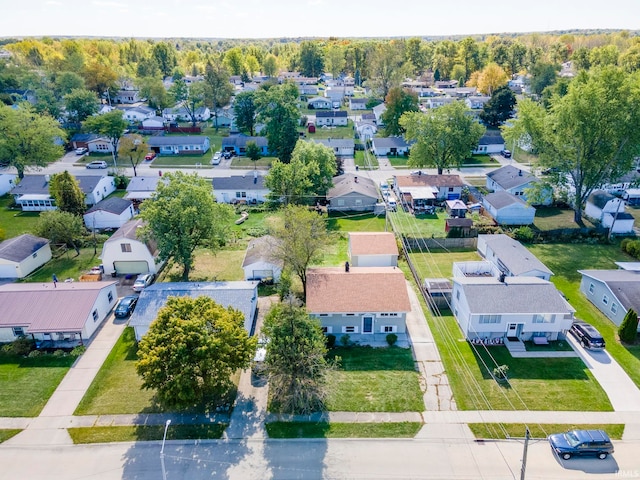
{"points": [[512, 330], [367, 324]]}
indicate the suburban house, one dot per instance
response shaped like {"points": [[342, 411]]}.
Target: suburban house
{"points": [[240, 189], [319, 103], [153, 123], [507, 209], [7, 182], [336, 118], [446, 84], [515, 181], [98, 144], [308, 89], [111, 212], [510, 257], [337, 94], [352, 193], [373, 249], [259, 263], [378, 110], [138, 114], [609, 211], [55, 314], [238, 144], [358, 103], [389, 146], [126, 95], [509, 310], [476, 102], [490, 142], [179, 144], [422, 190], [81, 140], [141, 188], [32, 193], [613, 292], [180, 113], [224, 118], [341, 147], [440, 101], [366, 129], [242, 296], [21, 255], [125, 253], [366, 303]]}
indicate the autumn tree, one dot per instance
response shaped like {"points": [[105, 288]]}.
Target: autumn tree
{"points": [[244, 108], [489, 79], [589, 136], [398, 102], [110, 125], [191, 350], [28, 139], [134, 148], [295, 360], [61, 228], [182, 215], [66, 191], [444, 137], [278, 108]]}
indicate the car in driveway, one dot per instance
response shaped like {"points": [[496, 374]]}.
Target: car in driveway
{"points": [[581, 443], [227, 154], [257, 365], [81, 150], [217, 158], [143, 281], [587, 335], [506, 153], [150, 156], [126, 306], [97, 164]]}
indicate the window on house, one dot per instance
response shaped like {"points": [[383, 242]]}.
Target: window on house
{"points": [[458, 295], [605, 300], [18, 331], [358, 202], [489, 318], [95, 315], [125, 247], [34, 255], [340, 202], [614, 308], [326, 330], [110, 297], [451, 189], [591, 288], [388, 329], [350, 314], [539, 318], [323, 315], [350, 329]]}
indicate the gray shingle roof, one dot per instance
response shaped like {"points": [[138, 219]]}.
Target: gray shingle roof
{"points": [[111, 205], [18, 248], [513, 254], [128, 230], [333, 114], [336, 142], [388, 142], [144, 184], [242, 140], [491, 138], [600, 198], [345, 184], [624, 284], [502, 199], [509, 177], [176, 140], [260, 249], [38, 185], [243, 182]]}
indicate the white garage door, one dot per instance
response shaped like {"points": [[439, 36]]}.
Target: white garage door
{"points": [[8, 271], [131, 267]]}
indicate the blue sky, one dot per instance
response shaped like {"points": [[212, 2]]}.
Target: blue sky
{"points": [[307, 18]]}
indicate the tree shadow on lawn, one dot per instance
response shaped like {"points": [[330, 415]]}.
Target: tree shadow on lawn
{"points": [[368, 358]]}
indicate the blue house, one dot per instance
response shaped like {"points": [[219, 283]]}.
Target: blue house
{"points": [[238, 144]]}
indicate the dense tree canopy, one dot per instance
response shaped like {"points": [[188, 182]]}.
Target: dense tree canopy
{"points": [[244, 108], [66, 191], [398, 102], [111, 125], [499, 108], [277, 107], [61, 228]]}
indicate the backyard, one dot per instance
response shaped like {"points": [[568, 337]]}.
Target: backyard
{"points": [[15, 222], [552, 218]]}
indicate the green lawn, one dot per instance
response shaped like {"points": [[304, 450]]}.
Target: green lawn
{"points": [[224, 265], [374, 380], [419, 225], [16, 222], [68, 265], [360, 161], [27, 383], [564, 261], [517, 430], [356, 222], [173, 161], [526, 158], [480, 160], [551, 218], [342, 430], [145, 433], [246, 162], [399, 162], [331, 132], [439, 264], [8, 433]]}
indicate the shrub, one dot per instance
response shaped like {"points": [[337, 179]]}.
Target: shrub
{"points": [[628, 330], [59, 353], [79, 350], [331, 341], [523, 234], [624, 243], [392, 338], [500, 372], [345, 340], [284, 287], [21, 346], [35, 353]]}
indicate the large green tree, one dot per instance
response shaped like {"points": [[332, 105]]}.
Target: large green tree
{"points": [[278, 108], [28, 139], [588, 136], [182, 215], [499, 108], [444, 136], [302, 236], [295, 360], [244, 108], [218, 89], [191, 350], [190, 97], [154, 91], [112, 125], [61, 228], [398, 102], [311, 59], [81, 104], [66, 191]]}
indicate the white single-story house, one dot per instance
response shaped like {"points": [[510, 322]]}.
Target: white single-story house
{"points": [[515, 309], [335, 118], [366, 303], [126, 95], [138, 114], [390, 146], [352, 193], [515, 181], [80, 140], [319, 103], [378, 110], [21, 255], [141, 188], [613, 292], [153, 123], [242, 296], [511, 257], [55, 314], [490, 142], [125, 253], [98, 144], [308, 89], [238, 144], [440, 101], [604, 207], [7, 182], [32, 193], [373, 249], [507, 209], [259, 262], [112, 212], [179, 144], [341, 147], [182, 114], [366, 129], [476, 102], [240, 188], [358, 103]]}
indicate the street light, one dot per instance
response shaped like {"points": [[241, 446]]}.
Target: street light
{"points": [[164, 438]]}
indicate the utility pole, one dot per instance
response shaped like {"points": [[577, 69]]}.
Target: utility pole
{"points": [[164, 438], [527, 436]]}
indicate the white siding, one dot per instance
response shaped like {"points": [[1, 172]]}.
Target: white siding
{"points": [[9, 269], [112, 252], [101, 219]]}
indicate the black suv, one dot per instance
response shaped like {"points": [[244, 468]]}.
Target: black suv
{"points": [[581, 443], [587, 335]]}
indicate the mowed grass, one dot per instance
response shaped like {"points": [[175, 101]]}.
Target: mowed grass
{"points": [[6, 434], [374, 380], [419, 225], [223, 265], [246, 162], [27, 383], [552, 218], [342, 430], [564, 261], [141, 433], [517, 430], [68, 265], [480, 160], [16, 222], [117, 387]]}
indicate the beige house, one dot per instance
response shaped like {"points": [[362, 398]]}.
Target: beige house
{"points": [[373, 249]]}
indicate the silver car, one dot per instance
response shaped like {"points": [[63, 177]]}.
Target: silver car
{"points": [[143, 281]]}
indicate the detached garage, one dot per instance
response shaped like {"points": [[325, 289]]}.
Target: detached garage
{"points": [[125, 253], [507, 209], [21, 255]]}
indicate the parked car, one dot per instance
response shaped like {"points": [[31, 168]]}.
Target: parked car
{"points": [[505, 153], [150, 156], [217, 157], [81, 150], [581, 443], [257, 365], [97, 164], [126, 306], [587, 335], [143, 281], [228, 154]]}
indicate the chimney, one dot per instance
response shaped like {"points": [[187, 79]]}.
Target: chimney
{"points": [[502, 277], [355, 179], [519, 173], [346, 267]]}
